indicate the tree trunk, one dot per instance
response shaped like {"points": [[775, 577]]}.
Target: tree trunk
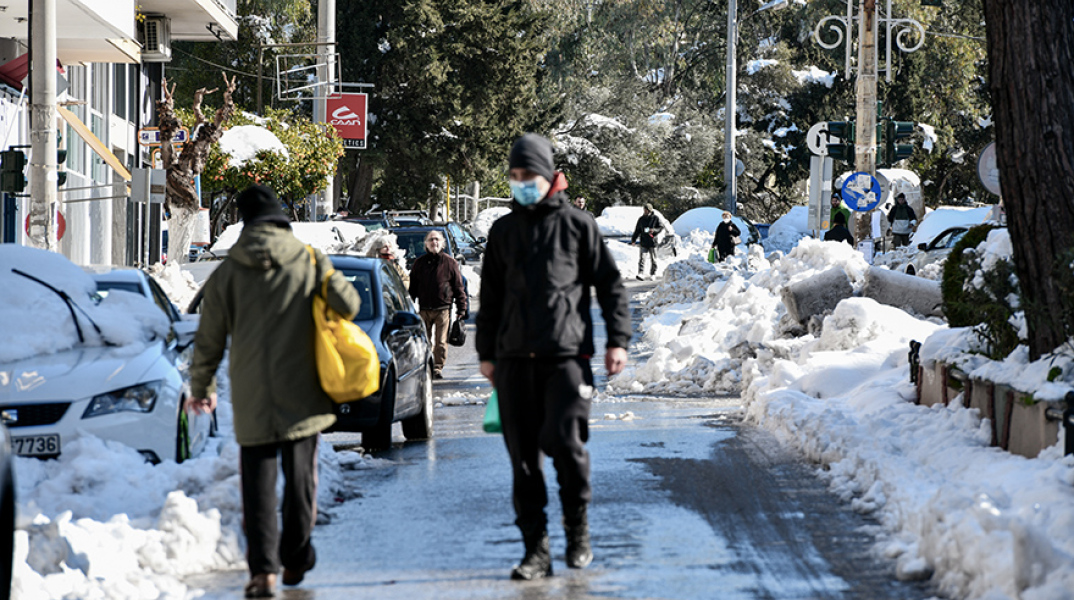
{"points": [[362, 190], [1031, 79]]}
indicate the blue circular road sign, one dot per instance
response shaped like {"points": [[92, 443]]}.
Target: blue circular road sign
{"points": [[861, 191]]}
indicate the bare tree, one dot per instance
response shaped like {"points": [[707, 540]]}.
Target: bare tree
{"points": [[1031, 73], [181, 197]]}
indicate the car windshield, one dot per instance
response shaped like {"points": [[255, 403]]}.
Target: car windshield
{"points": [[104, 287], [414, 243], [363, 282]]}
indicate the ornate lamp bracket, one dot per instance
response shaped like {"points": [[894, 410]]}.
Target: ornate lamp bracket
{"points": [[906, 35]]}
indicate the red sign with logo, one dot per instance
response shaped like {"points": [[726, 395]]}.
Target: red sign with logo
{"points": [[347, 113]]}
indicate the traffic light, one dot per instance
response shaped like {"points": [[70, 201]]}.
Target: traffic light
{"points": [[61, 176], [12, 165], [844, 149], [893, 150]]}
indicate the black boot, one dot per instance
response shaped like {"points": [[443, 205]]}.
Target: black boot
{"points": [[538, 560], [576, 526]]}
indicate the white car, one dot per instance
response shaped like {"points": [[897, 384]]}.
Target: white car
{"points": [[130, 393]]}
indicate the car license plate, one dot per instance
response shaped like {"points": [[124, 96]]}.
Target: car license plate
{"points": [[36, 445]]}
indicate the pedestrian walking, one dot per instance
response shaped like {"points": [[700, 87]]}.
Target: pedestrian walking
{"points": [[726, 235], [838, 206], [383, 247], [902, 219], [436, 282], [645, 232], [261, 297], [839, 231], [579, 203], [535, 340]]}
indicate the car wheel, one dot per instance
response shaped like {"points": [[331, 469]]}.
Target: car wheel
{"points": [[182, 437], [420, 426], [379, 436], [7, 541]]}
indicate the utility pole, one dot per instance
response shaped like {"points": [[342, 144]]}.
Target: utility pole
{"points": [[43, 185], [730, 162], [865, 134], [326, 72]]}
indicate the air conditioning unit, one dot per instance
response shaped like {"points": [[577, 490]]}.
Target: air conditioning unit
{"points": [[157, 46]]}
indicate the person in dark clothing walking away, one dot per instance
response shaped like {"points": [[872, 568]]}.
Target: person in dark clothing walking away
{"points": [[645, 231], [838, 207], [436, 281], [535, 340], [726, 233], [261, 297], [902, 219], [839, 231]]}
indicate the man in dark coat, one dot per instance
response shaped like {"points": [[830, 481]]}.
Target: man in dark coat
{"points": [[839, 231], [645, 231], [902, 219], [261, 297], [724, 241], [436, 281], [535, 340]]}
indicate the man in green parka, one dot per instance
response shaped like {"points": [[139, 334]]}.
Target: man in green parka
{"points": [[261, 297]]}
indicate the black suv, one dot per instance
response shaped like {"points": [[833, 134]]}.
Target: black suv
{"points": [[461, 246]]}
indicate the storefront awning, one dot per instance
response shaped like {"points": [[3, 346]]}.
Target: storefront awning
{"points": [[94, 142]]}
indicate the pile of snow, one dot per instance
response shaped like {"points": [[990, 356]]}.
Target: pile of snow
{"points": [[36, 320], [243, 142], [618, 221], [788, 230], [331, 237], [484, 220], [982, 522]]}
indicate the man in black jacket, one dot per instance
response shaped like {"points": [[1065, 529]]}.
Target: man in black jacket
{"points": [[839, 231], [535, 341], [435, 281], [645, 231]]}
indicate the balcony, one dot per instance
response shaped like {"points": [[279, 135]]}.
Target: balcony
{"points": [[196, 20], [86, 30]]}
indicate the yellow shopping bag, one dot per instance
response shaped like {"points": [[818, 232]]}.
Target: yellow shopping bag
{"points": [[347, 361]]}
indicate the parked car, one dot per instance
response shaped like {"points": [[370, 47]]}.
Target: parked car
{"points": [[412, 239], [129, 393], [7, 513], [391, 320], [762, 229], [935, 250], [371, 223], [470, 248]]}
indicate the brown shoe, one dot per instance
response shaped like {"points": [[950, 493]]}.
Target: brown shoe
{"points": [[261, 586]]}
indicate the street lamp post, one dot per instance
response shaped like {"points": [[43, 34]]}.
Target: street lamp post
{"points": [[730, 161]]}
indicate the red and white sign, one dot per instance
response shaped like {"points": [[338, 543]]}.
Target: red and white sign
{"points": [[347, 113]]}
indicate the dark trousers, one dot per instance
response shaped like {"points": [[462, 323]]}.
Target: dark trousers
{"points": [[266, 548], [651, 253], [544, 408]]}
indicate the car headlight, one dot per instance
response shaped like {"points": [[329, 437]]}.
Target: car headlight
{"points": [[138, 398]]}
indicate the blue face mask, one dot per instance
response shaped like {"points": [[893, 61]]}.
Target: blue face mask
{"points": [[526, 193]]}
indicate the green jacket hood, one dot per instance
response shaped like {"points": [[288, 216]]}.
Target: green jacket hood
{"points": [[265, 246]]}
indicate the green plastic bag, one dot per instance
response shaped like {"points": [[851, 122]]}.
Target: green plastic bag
{"points": [[712, 255], [492, 415]]}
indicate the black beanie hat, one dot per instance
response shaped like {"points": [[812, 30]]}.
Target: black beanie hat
{"points": [[258, 204], [839, 219], [533, 152]]}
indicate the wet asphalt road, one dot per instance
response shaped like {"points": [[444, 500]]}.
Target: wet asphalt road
{"points": [[689, 503]]}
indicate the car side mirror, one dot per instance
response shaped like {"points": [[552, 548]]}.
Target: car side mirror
{"points": [[404, 319], [185, 330], [922, 246]]}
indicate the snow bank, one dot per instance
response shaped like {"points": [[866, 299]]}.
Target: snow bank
{"points": [[243, 142], [983, 523], [619, 220]]}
